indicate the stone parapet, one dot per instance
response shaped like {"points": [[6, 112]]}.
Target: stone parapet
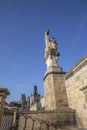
{"points": [[62, 117], [7, 119]]}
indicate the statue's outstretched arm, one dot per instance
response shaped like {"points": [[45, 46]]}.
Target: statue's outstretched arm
{"points": [[47, 38], [46, 33]]}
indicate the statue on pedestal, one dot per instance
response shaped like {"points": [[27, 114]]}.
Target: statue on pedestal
{"points": [[51, 46]]}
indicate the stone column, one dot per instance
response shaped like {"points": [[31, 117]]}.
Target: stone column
{"points": [[3, 94]]}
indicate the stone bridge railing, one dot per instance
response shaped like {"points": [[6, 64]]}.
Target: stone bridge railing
{"points": [[34, 120], [45, 120], [3, 94], [7, 116], [27, 122], [7, 120]]}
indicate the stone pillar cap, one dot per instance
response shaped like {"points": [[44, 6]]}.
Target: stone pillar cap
{"points": [[53, 69], [4, 92]]}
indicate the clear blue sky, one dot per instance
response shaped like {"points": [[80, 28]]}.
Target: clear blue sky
{"points": [[22, 27]]}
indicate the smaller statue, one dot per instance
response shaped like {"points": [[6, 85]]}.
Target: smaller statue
{"points": [[51, 46]]}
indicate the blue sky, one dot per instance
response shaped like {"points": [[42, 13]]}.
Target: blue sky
{"points": [[22, 27]]}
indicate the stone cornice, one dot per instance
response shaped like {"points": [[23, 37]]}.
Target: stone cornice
{"points": [[77, 67], [53, 70], [53, 73]]}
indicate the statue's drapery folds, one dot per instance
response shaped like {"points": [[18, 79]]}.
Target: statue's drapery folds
{"points": [[51, 46]]}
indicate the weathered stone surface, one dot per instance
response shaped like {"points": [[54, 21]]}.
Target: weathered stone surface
{"points": [[61, 117], [7, 119], [3, 94], [53, 69], [76, 82], [54, 90]]}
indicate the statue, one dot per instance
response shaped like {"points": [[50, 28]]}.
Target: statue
{"points": [[51, 46]]}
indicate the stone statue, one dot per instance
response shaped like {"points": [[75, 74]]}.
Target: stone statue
{"points": [[51, 46]]}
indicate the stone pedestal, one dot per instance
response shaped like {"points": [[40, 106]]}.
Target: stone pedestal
{"points": [[3, 94], [51, 61], [55, 89]]}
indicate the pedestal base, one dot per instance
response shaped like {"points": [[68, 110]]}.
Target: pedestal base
{"points": [[54, 88]]}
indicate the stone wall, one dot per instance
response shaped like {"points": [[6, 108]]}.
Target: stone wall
{"points": [[76, 86], [36, 120]]}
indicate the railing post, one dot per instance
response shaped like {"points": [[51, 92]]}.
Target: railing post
{"points": [[3, 94], [14, 116]]}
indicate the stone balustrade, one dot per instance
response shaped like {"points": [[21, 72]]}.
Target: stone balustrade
{"points": [[7, 119], [3, 94]]}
